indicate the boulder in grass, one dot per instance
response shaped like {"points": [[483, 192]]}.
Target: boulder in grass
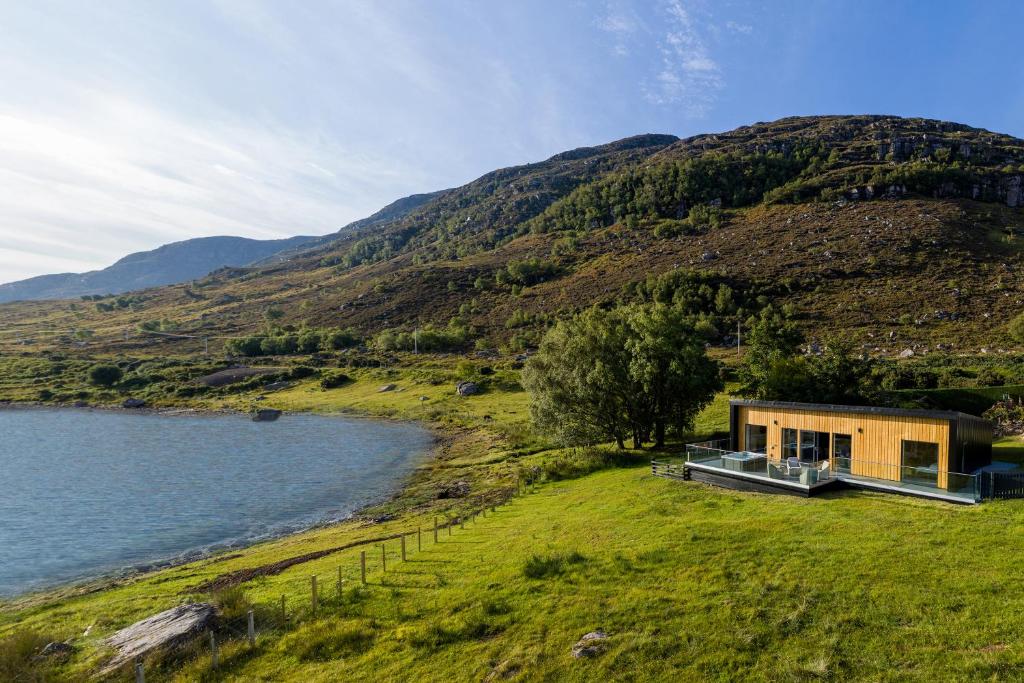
{"points": [[455, 489], [164, 630], [56, 650], [590, 645], [387, 387], [133, 403], [467, 388], [266, 415]]}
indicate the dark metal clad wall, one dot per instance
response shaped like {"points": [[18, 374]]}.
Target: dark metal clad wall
{"points": [[974, 443]]}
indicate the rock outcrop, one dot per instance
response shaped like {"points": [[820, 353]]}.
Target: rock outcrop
{"points": [[164, 630]]}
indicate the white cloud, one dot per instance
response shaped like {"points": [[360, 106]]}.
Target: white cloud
{"points": [[735, 27], [122, 177], [684, 72], [688, 76]]}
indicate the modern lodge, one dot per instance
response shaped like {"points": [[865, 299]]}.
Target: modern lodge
{"points": [[805, 448]]}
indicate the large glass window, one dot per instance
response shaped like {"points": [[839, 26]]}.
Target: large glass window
{"points": [[921, 462], [789, 444], [756, 438]]}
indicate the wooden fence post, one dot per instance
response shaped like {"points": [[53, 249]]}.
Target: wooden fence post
{"points": [[140, 673], [213, 650], [383, 557], [362, 566], [341, 583], [312, 586], [435, 528], [419, 539], [462, 521], [403, 547], [451, 523], [252, 629]]}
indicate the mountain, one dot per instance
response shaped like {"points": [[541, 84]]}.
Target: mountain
{"points": [[393, 211], [895, 232], [169, 264]]}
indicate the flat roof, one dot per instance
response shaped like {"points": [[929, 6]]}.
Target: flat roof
{"points": [[864, 410]]}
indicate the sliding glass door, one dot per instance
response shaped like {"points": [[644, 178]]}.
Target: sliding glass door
{"points": [[813, 446]]}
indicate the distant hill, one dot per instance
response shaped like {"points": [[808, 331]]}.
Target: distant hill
{"points": [[392, 212], [897, 233], [166, 265]]}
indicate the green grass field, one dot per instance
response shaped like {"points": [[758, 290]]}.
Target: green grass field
{"points": [[690, 582]]}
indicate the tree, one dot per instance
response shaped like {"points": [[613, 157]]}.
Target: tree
{"points": [[608, 374], [105, 375], [771, 340], [839, 376], [773, 370], [1016, 328], [670, 370], [578, 380]]}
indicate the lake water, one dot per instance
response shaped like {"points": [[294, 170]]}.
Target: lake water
{"points": [[85, 493]]}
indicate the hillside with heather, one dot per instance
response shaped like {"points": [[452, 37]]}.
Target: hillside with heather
{"points": [[901, 233]]}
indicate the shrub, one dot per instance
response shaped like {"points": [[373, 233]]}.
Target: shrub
{"points": [[231, 603], [542, 567], [105, 375], [301, 372], [991, 377], [1016, 328], [529, 271], [333, 380]]}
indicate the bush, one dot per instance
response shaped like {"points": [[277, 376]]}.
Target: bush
{"points": [[991, 377], [333, 380], [105, 375], [541, 567], [231, 603], [301, 372]]}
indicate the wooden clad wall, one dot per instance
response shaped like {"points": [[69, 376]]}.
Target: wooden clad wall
{"points": [[876, 450]]}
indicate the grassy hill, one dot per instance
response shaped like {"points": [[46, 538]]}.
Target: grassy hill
{"points": [[899, 232]]}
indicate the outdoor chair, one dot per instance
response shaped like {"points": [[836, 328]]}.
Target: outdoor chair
{"points": [[824, 470], [793, 466]]}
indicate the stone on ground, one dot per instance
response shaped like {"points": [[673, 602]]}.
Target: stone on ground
{"points": [[166, 629]]}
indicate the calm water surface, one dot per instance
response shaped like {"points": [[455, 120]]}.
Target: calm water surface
{"points": [[84, 493]]}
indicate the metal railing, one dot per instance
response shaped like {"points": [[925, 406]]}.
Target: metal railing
{"points": [[809, 473]]}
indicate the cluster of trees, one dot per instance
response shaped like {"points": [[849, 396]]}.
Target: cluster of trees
{"points": [[637, 371], [776, 369], [716, 301], [526, 272], [670, 190], [118, 303], [279, 342], [377, 247], [454, 337]]}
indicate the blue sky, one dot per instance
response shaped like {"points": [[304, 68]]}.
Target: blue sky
{"points": [[126, 125]]}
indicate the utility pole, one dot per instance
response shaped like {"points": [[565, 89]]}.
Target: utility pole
{"points": [[416, 340]]}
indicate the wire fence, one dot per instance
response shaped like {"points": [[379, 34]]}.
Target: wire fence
{"points": [[244, 628]]}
